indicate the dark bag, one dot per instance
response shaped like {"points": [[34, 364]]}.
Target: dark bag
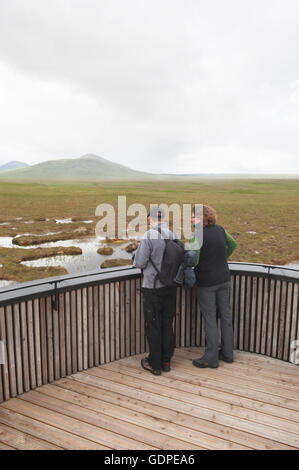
{"points": [[172, 258], [186, 275]]}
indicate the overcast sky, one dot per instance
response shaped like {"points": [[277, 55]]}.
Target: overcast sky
{"points": [[158, 85]]}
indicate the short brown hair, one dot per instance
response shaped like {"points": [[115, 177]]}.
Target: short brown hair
{"points": [[209, 216]]}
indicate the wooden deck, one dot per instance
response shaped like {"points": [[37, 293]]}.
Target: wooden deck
{"points": [[250, 404]]}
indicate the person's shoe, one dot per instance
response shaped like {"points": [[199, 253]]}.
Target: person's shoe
{"points": [[203, 364], [224, 358], [146, 366], [166, 367]]}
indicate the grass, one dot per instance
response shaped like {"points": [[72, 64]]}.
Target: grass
{"points": [[28, 240], [113, 263], [268, 207]]}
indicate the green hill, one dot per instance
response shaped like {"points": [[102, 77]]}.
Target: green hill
{"points": [[13, 165], [88, 167]]}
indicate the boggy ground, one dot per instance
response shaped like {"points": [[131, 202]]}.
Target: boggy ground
{"points": [[261, 214], [12, 270]]}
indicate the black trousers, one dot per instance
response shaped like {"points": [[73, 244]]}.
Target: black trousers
{"points": [[159, 310]]}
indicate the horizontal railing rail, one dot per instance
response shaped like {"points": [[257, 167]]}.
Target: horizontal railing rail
{"points": [[266, 270], [59, 283], [33, 289], [58, 326]]}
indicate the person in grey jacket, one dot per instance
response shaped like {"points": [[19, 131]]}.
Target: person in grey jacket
{"points": [[158, 300]]}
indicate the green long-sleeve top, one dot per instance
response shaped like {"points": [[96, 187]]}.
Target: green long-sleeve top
{"points": [[231, 245]]}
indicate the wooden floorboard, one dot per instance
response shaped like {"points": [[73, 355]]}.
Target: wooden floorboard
{"points": [[250, 404], [6, 447], [218, 401], [24, 441]]}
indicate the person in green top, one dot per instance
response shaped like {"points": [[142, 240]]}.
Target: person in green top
{"points": [[231, 245], [213, 285]]}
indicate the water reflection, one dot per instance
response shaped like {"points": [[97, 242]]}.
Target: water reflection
{"points": [[6, 242], [89, 260], [63, 221]]}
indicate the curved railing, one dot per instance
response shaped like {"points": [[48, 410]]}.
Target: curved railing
{"points": [[58, 326]]}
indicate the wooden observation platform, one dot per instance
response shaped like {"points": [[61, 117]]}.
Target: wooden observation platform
{"points": [[72, 379]]}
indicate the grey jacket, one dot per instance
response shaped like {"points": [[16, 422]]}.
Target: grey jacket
{"points": [[152, 245]]}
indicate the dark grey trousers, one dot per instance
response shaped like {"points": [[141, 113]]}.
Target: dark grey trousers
{"points": [[214, 303]]}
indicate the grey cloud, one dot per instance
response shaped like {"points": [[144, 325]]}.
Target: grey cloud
{"points": [[174, 77]]}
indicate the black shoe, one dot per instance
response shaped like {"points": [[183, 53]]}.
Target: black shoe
{"points": [[146, 366], [203, 364], [166, 367], [224, 358]]}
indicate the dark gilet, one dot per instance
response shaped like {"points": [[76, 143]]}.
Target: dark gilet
{"points": [[212, 268]]}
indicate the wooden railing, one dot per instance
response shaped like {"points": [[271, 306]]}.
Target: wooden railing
{"points": [[53, 328]]}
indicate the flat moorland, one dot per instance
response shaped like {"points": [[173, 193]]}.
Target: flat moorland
{"points": [[261, 214]]}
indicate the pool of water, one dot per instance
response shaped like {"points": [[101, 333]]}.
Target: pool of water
{"points": [[89, 260], [6, 242], [63, 221]]}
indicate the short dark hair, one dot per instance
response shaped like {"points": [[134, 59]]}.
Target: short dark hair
{"points": [[156, 213]]}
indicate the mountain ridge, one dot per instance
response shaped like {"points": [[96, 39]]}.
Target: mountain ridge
{"points": [[88, 167], [91, 167], [12, 165]]}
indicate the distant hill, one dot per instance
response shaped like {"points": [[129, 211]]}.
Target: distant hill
{"points": [[91, 167], [13, 165], [88, 167]]}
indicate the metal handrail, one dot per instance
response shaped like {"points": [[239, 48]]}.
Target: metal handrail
{"points": [[56, 279], [60, 283], [271, 266]]}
